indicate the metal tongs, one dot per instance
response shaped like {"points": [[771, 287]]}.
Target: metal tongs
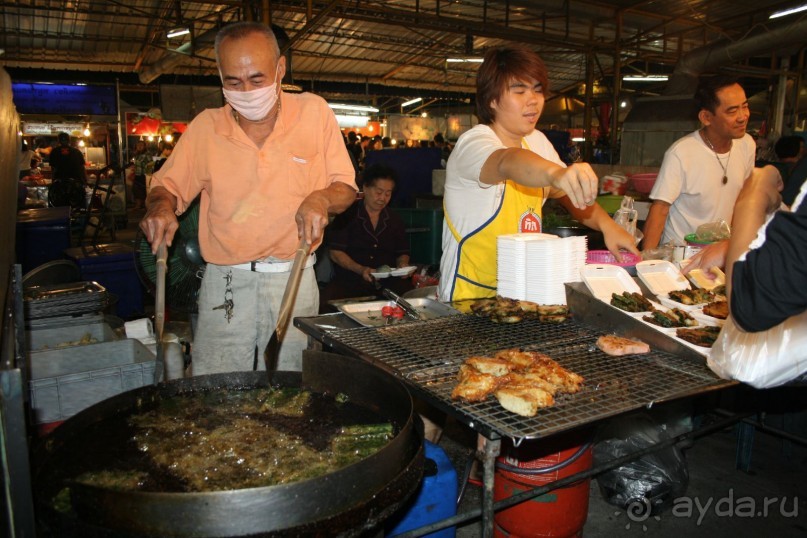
{"points": [[410, 310]]}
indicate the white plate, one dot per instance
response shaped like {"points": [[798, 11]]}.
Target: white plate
{"points": [[404, 271], [384, 274], [661, 277], [603, 280]]}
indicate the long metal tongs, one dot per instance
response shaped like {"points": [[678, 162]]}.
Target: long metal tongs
{"points": [[403, 303], [272, 351], [159, 311]]}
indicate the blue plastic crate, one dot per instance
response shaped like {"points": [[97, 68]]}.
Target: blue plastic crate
{"points": [[113, 266], [435, 499], [41, 236]]}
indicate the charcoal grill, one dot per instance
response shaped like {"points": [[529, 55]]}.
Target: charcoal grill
{"points": [[427, 355]]}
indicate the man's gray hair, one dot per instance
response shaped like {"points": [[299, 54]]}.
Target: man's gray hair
{"points": [[240, 30]]}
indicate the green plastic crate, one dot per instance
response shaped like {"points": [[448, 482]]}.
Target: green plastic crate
{"points": [[424, 229]]}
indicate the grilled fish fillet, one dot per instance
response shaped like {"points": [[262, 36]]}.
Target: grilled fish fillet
{"points": [[554, 373], [492, 366], [474, 386], [532, 380], [617, 346], [517, 357], [523, 400]]}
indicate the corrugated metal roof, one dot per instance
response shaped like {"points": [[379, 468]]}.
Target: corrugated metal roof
{"points": [[401, 45]]}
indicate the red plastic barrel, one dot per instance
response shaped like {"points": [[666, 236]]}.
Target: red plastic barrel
{"points": [[559, 513]]}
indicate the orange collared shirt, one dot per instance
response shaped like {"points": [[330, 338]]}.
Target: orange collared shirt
{"points": [[249, 194]]}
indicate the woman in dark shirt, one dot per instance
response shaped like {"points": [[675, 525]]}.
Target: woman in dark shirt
{"points": [[364, 238]]}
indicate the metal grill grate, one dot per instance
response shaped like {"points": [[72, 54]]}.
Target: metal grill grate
{"points": [[427, 356]]}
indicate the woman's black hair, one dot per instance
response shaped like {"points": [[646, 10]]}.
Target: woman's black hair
{"points": [[375, 172]]}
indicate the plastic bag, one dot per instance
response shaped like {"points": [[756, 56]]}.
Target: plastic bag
{"points": [[713, 231], [762, 359], [626, 216], [646, 485]]}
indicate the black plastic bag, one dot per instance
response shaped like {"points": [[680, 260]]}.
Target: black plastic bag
{"points": [[650, 484]]}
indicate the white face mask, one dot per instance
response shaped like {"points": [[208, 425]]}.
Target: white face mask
{"points": [[254, 105]]}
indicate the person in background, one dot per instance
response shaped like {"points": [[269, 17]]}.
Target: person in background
{"points": [[66, 161], [703, 172], [141, 162], [445, 150], [794, 180], [353, 151], [270, 167], [364, 239], [366, 141], [502, 171], [166, 149], [789, 149], [28, 159], [354, 147]]}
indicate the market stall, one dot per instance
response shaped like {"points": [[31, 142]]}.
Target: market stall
{"points": [[426, 356]]}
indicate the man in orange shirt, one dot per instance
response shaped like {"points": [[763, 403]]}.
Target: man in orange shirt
{"points": [[270, 168]]}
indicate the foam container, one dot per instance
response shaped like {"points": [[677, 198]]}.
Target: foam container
{"points": [[603, 280]]}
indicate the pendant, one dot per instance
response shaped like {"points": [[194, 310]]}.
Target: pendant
{"points": [[725, 180]]}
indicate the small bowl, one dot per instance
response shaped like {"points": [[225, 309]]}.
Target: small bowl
{"points": [[605, 257], [643, 183]]}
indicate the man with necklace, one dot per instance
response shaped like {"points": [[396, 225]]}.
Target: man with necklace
{"points": [[270, 168], [703, 172]]}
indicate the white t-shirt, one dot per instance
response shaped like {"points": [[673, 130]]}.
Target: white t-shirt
{"points": [[691, 180], [25, 160], [468, 202]]}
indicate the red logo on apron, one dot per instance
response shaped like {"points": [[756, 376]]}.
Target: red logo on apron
{"points": [[529, 222]]}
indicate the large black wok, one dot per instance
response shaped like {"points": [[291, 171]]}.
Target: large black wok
{"points": [[347, 502]]}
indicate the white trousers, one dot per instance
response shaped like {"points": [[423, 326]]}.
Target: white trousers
{"points": [[221, 346]]}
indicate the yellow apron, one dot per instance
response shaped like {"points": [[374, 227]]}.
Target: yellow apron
{"points": [[475, 274]]}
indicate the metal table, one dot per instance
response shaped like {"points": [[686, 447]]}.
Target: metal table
{"points": [[426, 356]]}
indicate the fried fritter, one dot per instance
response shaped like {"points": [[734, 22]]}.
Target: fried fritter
{"points": [[717, 309], [702, 336]]}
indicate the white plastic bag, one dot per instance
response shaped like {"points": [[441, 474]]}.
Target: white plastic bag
{"points": [[762, 359]]}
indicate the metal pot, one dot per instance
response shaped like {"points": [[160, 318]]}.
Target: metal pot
{"points": [[595, 238], [347, 502]]}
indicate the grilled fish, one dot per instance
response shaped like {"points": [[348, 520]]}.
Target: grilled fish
{"points": [[617, 346]]}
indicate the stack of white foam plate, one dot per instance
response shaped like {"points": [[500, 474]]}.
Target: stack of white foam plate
{"points": [[534, 266]]}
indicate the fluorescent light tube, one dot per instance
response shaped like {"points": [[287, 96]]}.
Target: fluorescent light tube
{"points": [[786, 12], [413, 101], [645, 78], [356, 108], [176, 32]]}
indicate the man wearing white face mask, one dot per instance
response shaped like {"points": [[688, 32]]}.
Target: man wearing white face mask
{"points": [[270, 168]]}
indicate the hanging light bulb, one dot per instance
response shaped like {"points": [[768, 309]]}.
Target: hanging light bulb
{"points": [[168, 138], [150, 138], [87, 130], [81, 143]]}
